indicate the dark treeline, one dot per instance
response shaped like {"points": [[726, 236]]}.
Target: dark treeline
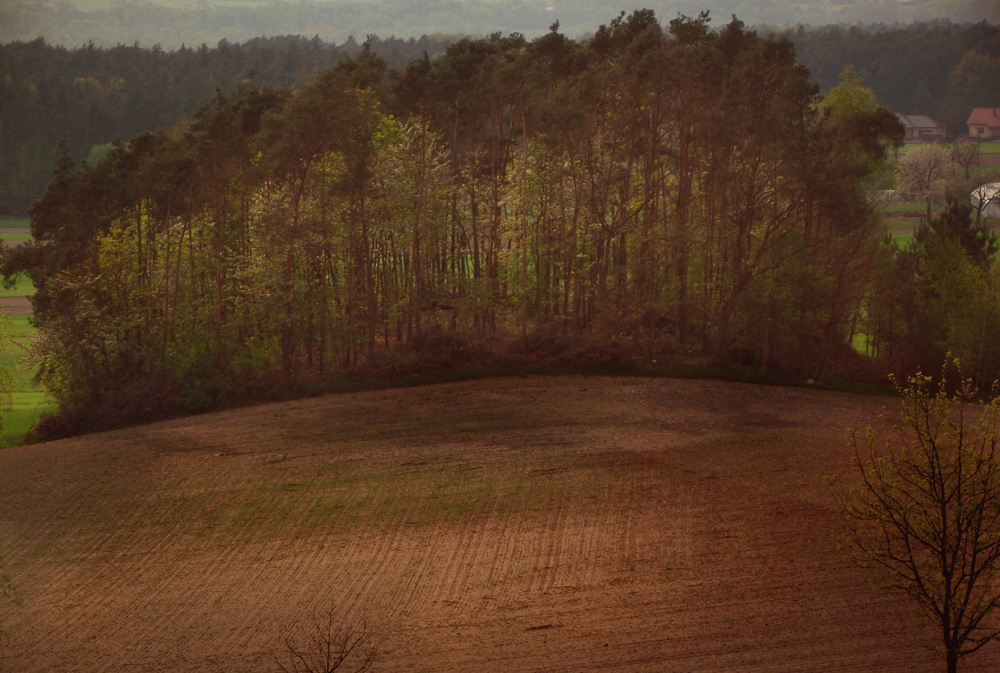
{"points": [[648, 194], [92, 96], [938, 69]]}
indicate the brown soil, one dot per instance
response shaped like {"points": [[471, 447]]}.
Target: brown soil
{"points": [[531, 524], [16, 305]]}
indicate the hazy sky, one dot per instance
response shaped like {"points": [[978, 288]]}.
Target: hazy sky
{"points": [[170, 23]]}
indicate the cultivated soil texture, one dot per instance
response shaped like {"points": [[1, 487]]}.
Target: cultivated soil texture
{"points": [[521, 524]]}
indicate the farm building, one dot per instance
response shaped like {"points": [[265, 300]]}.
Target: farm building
{"points": [[986, 200], [984, 122], [921, 127]]}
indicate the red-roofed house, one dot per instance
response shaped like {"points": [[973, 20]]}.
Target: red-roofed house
{"points": [[984, 122]]}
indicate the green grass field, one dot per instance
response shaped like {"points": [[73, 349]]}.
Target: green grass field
{"points": [[903, 207], [28, 401], [14, 236], [902, 238], [21, 288], [989, 147]]}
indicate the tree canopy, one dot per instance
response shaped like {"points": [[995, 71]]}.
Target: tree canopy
{"points": [[652, 191]]}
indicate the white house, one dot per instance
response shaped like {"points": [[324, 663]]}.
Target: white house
{"points": [[986, 200]]}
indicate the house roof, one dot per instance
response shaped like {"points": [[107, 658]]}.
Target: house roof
{"points": [[985, 116], [918, 121]]}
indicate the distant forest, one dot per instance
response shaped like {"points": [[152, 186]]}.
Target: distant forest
{"points": [[171, 23], [92, 96]]}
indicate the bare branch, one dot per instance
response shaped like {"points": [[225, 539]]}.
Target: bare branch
{"points": [[328, 646]]}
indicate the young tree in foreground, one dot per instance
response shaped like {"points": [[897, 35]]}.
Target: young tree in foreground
{"points": [[926, 513]]}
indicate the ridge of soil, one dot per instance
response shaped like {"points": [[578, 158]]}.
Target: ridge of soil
{"points": [[524, 524]]}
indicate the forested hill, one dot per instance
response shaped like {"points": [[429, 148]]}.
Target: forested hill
{"points": [[92, 95], [647, 194], [937, 69]]}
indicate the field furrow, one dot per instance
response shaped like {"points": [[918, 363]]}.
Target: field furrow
{"points": [[510, 525]]}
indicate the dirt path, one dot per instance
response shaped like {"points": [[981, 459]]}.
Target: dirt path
{"points": [[533, 524]]}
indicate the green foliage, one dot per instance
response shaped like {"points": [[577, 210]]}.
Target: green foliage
{"points": [[99, 153], [850, 98], [8, 384], [939, 295], [29, 403], [976, 79], [864, 130], [8, 591]]}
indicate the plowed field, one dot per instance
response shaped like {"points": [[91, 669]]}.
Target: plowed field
{"points": [[539, 524]]}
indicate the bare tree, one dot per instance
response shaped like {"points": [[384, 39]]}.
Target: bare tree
{"points": [[965, 155], [926, 513], [328, 646]]}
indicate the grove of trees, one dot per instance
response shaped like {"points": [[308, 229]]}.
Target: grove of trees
{"points": [[648, 193], [937, 296]]}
